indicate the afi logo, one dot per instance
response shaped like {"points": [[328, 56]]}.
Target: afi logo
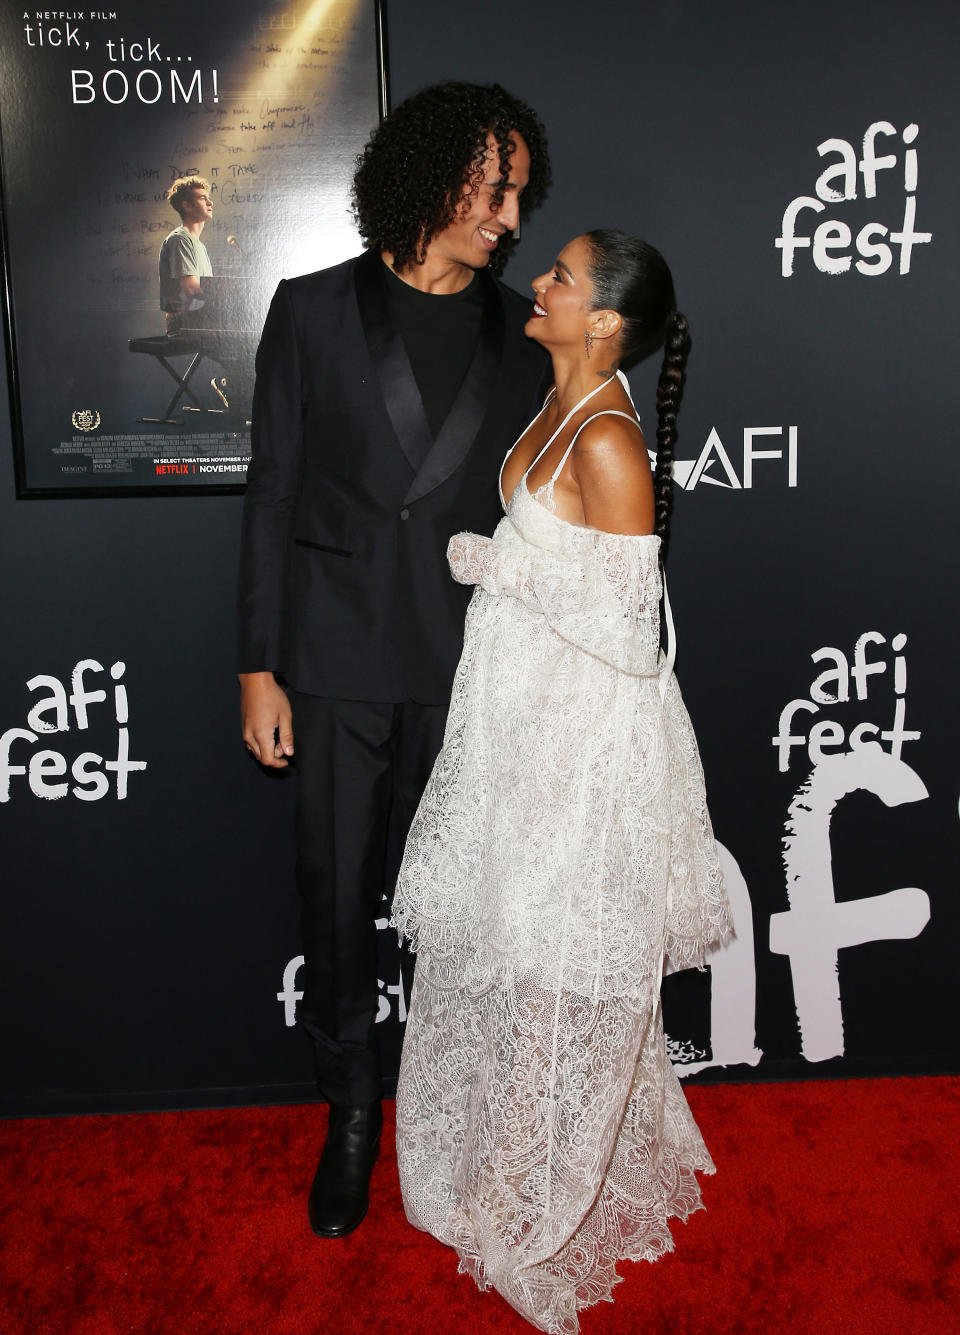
{"points": [[714, 466]]}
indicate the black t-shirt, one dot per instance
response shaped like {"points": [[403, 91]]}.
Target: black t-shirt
{"points": [[440, 335]]}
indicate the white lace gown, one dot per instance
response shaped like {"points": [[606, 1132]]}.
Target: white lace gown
{"points": [[561, 849]]}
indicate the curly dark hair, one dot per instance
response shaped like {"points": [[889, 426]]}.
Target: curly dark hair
{"points": [[410, 177], [631, 277]]}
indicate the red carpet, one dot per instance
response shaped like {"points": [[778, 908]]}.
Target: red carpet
{"points": [[834, 1210]]}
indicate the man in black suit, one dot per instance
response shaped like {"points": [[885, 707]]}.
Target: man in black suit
{"points": [[388, 391]]}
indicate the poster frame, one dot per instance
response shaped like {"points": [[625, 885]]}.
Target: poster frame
{"points": [[23, 490]]}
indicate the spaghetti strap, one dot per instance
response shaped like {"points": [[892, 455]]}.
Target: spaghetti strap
{"points": [[606, 412], [573, 411], [551, 393]]}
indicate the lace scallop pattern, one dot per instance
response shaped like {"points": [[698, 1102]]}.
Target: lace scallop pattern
{"points": [[562, 845]]}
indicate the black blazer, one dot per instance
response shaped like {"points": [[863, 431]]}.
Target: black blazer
{"points": [[344, 586]]}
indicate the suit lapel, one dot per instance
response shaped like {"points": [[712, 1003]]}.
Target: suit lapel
{"points": [[390, 360], [472, 403], [432, 461]]}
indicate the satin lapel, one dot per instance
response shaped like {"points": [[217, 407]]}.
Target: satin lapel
{"points": [[390, 360], [472, 403]]}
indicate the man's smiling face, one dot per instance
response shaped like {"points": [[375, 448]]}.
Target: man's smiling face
{"points": [[475, 232]]}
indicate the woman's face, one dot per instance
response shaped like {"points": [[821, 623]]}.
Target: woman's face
{"points": [[564, 299]]}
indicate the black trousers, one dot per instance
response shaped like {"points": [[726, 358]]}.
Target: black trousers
{"points": [[362, 769]]}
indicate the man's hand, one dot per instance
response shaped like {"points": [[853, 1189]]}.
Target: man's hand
{"points": [[266, 718]]}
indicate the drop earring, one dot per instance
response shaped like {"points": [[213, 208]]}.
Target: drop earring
{"points": [[588, 342]]}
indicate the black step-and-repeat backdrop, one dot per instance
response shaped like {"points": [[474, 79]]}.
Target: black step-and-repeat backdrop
{"points": [[797, 169]]}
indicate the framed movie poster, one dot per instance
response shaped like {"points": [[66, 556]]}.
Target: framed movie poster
{"points": [[164, 166]]}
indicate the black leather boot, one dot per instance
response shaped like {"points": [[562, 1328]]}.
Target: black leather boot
{"points": [[340, 1193]]}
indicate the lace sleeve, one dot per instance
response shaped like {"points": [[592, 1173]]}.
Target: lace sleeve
{"points": [[602, 600]]}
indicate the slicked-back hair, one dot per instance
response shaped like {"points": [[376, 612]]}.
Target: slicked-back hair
{"points": [[411, 175], [631, 277]]}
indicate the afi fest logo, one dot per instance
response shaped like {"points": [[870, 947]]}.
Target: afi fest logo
{"points": [[831, 241], [26, 767], [290, 994], [848, 753], [847, 734]]}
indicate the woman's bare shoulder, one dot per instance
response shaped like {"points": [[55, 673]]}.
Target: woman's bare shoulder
{"points": [[611, 467]]}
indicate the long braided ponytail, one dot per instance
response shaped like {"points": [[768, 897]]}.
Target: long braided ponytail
{"points": [[631, 277], [676, 349]]}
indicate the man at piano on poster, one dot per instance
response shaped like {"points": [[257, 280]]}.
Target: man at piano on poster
{"points": [[184, 259], [184, 263]]}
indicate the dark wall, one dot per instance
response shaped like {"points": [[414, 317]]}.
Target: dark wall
{"points": [[145, 940]]}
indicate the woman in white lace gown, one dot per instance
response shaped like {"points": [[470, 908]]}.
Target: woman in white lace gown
{"points": [[562, 848]]}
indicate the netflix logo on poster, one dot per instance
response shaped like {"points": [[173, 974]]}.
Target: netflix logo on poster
{"points": [[855, 237], [88, 713]]}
